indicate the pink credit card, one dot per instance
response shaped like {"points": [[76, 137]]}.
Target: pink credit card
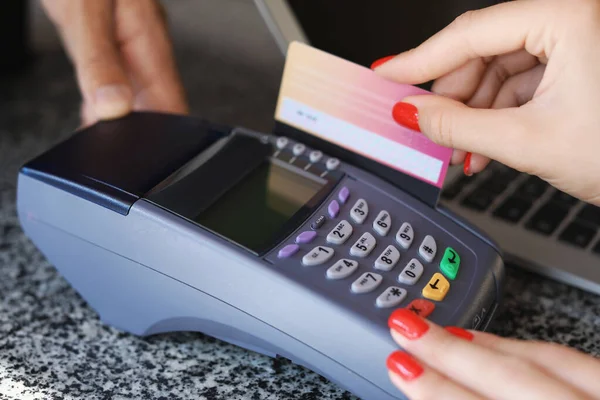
{"points": [[350, 106]]}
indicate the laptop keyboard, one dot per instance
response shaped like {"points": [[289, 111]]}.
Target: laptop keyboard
{"points": [[529, 202]]}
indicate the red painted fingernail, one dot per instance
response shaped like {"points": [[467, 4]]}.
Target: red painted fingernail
{"points": [[403, 365], [467, 165], [407, 323], [381, 61], [460, 332], [406, 115]]}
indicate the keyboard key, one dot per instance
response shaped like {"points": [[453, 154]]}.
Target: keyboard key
{"points": [[493, 185], [318, 222], [282, 142], [342, 269], [453, 190], [344, 194], [367, 283], [505, 175], [532, 188], [315, 156], [342, 231], [478, 200], [288, 251], [299, 149], [547, 218], [590, 213], [411, 273], [578, 234], [450, 263], [317, 256], [596, 248], [360, 211], [428, 249], [391, 297], [564, 199], [388, 259], [382, 223], [364, 245], [332, 163], [306, 237], [513, 209], [333, 209], [405, 235], [421, 307], [437, 287]]}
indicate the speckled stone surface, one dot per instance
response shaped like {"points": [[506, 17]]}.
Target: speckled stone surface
{"points": [[53, 346]]}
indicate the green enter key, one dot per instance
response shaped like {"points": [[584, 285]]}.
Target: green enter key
{"points": [[450, 263]]}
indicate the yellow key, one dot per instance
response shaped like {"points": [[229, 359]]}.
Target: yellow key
{"points": [[436, 288]]}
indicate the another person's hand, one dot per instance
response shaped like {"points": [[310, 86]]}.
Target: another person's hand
{"points": [[122, 55], [519, 84], [454, 363]]}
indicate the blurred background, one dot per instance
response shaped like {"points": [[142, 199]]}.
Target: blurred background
{"points": [[229, 62]]}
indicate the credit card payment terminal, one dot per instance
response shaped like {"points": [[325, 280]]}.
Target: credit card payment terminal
{"points": [[288, 243]]}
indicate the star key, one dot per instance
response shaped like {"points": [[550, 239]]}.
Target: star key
{"points": [[421, 307], [391, 297]]}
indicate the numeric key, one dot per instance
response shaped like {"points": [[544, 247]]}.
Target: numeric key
{"points": [[317, 256], [342, 269], [388, 259], [411, 273], [367, 283], [382, 223], [364, 245], [405, 235], [360, 211], [340, 233]]}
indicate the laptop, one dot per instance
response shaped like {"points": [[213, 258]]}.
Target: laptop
{"points": [[538, 227]]}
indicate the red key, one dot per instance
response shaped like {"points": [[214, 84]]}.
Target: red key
{"points": [[421, 307]]}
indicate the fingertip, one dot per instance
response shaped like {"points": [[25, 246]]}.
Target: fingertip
{"points": [[377, 63], [402, 68], [406, 115], [460, 332], [86, 114], [113, 101], [478, 163], [458, 157], [404, 366], [467, 169]]}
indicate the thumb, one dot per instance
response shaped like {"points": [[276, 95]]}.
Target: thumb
{"points": [[498, 134]]}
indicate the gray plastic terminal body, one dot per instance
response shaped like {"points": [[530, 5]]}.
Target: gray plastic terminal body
{"points": [[151, 271]]}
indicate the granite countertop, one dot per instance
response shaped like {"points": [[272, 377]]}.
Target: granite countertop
{"points": [[53, 346]]}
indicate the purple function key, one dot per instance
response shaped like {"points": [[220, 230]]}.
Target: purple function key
{"points": [[333, 209], [344, 194], [288, 251], [306, 237]]}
